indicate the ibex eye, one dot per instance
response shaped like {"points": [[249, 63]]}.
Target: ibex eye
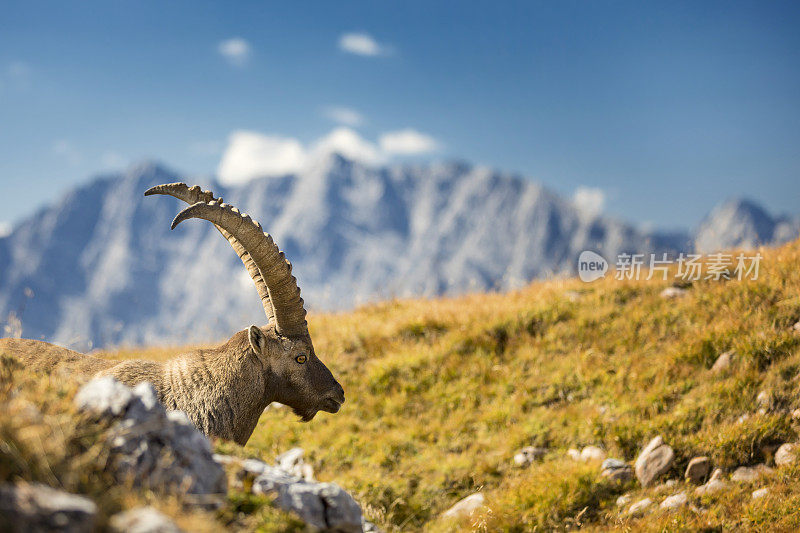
{"points": [[301, 359]]}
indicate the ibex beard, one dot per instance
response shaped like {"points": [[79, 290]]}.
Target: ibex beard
{"points": [[224, 390]]}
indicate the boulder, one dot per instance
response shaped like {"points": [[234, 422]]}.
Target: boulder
{"points": [[142, 520], [35, 507], [466, 506], [292, 462], [640, 507], [698, 469], [674, 501], [747, 474], [723, 362], [673, 292], [325, 506], [528, 455], [714, 484], [616, 470], [654, 461], [592, 454], [151, 447], [786, 454], [574, 454]]}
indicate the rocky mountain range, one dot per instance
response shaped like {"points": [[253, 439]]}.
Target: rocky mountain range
{"points": [[101, 267]]}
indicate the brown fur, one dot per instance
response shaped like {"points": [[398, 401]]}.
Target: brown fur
{"points": [[223, 390]]}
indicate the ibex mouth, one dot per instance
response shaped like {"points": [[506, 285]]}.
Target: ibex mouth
{"points": [[305, 416], [331, 405]]}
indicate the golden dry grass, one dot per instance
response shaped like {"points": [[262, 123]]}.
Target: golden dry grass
{"points": [[442, 393]]}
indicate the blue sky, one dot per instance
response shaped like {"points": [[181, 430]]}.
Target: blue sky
{"points": [[657, 110]]}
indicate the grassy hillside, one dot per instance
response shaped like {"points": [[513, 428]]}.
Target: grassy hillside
{"points": [[441, 394]]}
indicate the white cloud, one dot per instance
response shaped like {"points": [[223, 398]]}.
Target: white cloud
{"points": [[590, 200], [66, 150], [350, 144], [344, 115], [235, 50], [407, 142], [362, 44], [250, 154], [5, 229]]}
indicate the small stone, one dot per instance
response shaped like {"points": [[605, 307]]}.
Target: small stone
{"points": [[667, 485], [528, 455], [618, 474], [714, 484], [640, 507], [293, 462], [698, 469], [655, 460], [786, 454], [574, 454], [796, 327], [142, 520], [760, 493], [796, 415], [723, 362], [675, 501], [36, 507], [673, 292], [611, 464], [742, 419], [764, 399], [746, 474], [623, 500], [592, 454], [369, 527], [466, 507]]}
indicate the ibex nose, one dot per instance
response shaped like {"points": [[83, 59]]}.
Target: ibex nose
{"points": [[339, 393]]}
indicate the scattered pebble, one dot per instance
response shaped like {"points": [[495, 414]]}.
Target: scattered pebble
{"points": [[760, 493], [723, 362], [640, 507], [675, 501], [786, 454], [592, 454], [654, 461], [698, 469], [674, 292]]}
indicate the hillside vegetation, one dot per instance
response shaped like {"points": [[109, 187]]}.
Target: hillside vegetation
{"points": [[442, 393]]}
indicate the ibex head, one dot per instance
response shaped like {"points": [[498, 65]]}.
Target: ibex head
{"points": [[293, 374]]}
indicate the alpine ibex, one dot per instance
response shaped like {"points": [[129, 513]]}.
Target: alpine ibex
{"points": [[224, 390]]}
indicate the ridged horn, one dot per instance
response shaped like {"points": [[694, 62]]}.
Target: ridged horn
{"points": [[192, 195], [276, 270]]}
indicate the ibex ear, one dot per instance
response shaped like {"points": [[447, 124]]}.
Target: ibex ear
{"points": [[257, 339]]}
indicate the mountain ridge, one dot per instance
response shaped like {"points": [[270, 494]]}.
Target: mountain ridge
{"points": [[104, 269]]}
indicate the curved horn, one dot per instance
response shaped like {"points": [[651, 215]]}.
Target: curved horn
{"points": [[192, 195], [276, 270]]}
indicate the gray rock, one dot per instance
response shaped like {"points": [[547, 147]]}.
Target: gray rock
{"points": [[698, 469], [675, 501], [592, 454], [153, 448], [325, 506], [655, 460], [293, 462], [673, 292], [104, 397], [747, 474], [612, 463], [624, 500], [528, 455], [640, 507], [34, 507], [369, 527], [786, 454], [715, 484], [760, 493], [618, 474], [466, 506], [142, 520], [723, 362], [574, 454]]}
